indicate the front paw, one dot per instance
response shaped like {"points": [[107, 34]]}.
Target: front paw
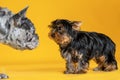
{"points": [[96, 69], [68, 72], [82, 71], [3, 76]]}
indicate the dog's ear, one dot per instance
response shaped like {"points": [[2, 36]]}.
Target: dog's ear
{"points": [[76, 25], [21, 13], [17, 17]]}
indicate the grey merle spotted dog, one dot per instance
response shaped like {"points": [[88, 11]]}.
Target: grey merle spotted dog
{"points": [[79, 47], [17, 31]]}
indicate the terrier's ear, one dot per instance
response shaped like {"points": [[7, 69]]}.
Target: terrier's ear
{"points": [[17, 17], [76, 25]]}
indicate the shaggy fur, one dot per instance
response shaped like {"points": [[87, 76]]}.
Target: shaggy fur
{"points": [[79, 47]]}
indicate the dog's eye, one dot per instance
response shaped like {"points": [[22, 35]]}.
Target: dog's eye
{"points": [[59, 28], [25, 26], [9, 13], [2, 13]]}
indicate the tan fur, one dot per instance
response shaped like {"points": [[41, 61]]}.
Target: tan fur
{"points": [[102, 58]]}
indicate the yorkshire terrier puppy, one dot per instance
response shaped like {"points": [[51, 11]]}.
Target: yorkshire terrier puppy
{"points": [[79, 47]]}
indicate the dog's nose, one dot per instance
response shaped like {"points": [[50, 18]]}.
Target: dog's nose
{"points": [[53, 35]]}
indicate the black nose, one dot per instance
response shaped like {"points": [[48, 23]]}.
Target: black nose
{"points": [[53, 35]]}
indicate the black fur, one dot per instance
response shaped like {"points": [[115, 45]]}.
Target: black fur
{"points": [[88, 45]]}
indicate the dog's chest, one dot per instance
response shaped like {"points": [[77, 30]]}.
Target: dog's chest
{"points": [[71, 55]]}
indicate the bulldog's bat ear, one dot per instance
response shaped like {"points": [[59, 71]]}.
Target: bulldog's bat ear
{"points": [[76, 25], [21, 13], [17, 17]]}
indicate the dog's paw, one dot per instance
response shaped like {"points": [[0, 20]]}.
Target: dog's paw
{"points": [[3, 76], [68, 72], [81, 71], [96, 69]]}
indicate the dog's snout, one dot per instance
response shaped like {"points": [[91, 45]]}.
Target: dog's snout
{"points": [[53, 35]]}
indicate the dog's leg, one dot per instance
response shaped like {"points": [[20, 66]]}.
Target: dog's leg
{"points": [[100, 61], [70, 68], [3, 76], [110, 65], [99, 67], [106, 67], [76, 68], [69, 64], [106, 64], [83, 67]]}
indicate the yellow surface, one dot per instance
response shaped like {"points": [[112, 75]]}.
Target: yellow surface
{"points": [[45, 62]]}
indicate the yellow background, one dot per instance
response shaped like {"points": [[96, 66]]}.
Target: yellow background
{"points": [[45, 62]]}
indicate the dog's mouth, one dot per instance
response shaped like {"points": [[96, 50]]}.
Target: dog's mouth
{"points": [[62, 39], [29, 41], [32, 42]]}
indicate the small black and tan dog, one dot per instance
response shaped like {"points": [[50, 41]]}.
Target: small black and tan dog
{"points": [[79, 47]]}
